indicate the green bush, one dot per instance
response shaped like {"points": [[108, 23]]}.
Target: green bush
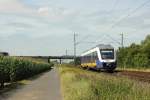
{"points": [[135, 56], [14, 69]]}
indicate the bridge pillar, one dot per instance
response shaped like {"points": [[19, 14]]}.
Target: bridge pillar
{"points": [[49, 60], [60, 61]]}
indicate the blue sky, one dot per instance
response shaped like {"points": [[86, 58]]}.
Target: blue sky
{"points": [[46, 27]]}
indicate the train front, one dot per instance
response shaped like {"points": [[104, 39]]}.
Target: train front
{"points": [[108, 59]]}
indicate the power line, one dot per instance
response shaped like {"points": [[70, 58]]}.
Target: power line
{"points": [[86, 38], [122, 40], [114, 5], [66, 52], [75, 46], [121, 19], [106, 36], [82, 40], [89, 42], [113, 39], [129, 14]]}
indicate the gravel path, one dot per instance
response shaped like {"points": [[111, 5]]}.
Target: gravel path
{"points": [[44, 87]]}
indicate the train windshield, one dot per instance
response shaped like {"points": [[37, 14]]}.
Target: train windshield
{"points": [[107, 54]]}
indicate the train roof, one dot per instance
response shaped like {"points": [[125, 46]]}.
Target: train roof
{"points": [[101, 46], [104, 46]]}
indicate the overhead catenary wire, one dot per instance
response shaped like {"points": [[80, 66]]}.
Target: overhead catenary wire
{"points": [[120, 20], [87, 36], [102, 36], [130, 13], [113, 39], [114, 5], [84, 38], [123, 18], [106, 37]]}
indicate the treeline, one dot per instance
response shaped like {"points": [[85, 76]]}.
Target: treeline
{"points": [[14, 69], [136, 55]]}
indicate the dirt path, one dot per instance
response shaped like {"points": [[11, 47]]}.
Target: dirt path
{"points": [[45, 87]]}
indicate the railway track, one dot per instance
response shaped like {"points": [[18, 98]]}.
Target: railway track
{"points": [[136, 75]]}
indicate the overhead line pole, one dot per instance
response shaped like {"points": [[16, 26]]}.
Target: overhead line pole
{"points": [[122, 46], [66, 52], [75, 47], [122, 40]]}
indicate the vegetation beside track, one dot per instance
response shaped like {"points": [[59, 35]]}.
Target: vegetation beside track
{"points": [[78, 84], [13, 69], [135, 56]]}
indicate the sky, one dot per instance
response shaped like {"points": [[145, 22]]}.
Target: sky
{"points": [[46, 27]]}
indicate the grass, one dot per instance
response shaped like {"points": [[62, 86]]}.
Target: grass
{"points": [[78, 84]]}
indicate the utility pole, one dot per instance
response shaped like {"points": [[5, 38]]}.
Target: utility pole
{"points": [[122, 40], [75, 47], [122, 46], [66, 52]]}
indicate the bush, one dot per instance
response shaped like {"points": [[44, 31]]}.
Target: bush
{"points": [[14, 69], [135, 56]]}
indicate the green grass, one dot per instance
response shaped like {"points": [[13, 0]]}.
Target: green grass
{"points": [[78, 84]]}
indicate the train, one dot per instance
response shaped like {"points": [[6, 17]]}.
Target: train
{"points": [[101, 57]]}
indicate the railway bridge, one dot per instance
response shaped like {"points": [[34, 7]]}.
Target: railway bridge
{"points": [[49, 58]]}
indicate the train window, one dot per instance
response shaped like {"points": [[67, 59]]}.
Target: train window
{"points": [[95, 56], [107, 54], [89, 58], [83, 59]]}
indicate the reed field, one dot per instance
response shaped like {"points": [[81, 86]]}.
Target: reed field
{"points": [[13, 69], [79, 84]]}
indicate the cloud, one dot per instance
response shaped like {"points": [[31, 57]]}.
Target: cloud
{"points": [[43, 11], [56, 13], [13, 6], [53, 21]]}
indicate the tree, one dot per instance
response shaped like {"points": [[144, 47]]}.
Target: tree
{"points": [[136, 55]]}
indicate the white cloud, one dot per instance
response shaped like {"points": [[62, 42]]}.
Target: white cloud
{"points": [[54, 13], [59, 20], [13, 6], [43, 11]]}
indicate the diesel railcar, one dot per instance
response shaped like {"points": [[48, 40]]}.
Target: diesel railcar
{"points": [[100, 57]]}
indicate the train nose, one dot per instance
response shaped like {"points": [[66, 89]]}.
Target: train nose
{"points": [[107, 65]]}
